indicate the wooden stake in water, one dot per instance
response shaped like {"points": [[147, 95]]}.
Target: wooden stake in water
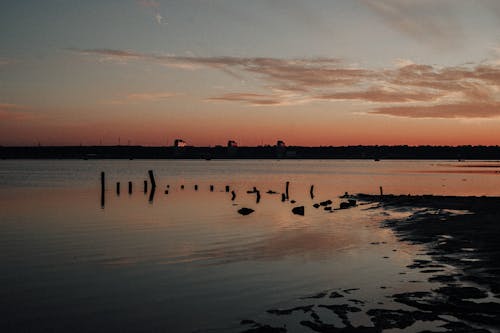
{"points": [[211, 188], [233, 195], [381, 191], [103, 188], [196, 187], [117, 188], [129, 187], [227, 188], [286, 190], [311, 191], [152, 179], [145, 186]]}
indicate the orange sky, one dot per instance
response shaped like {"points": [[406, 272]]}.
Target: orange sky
{"points": [[368, 72]]}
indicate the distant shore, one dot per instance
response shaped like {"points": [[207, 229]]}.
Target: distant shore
{"points": [[375, 153]]}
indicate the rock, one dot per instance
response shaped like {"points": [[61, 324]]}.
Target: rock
{"points": [[298, 210], [328, 208], [279, 312], [335, 294], [245, 211], [326, 203], [293, 201], [352, 202], [344, 205], [318, 295], [316, 205], [271, 192]]}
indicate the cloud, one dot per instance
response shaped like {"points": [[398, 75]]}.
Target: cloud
{"points": [[466, 110], [293, 81], [381, 96], [7, 61], [150, 97], [426, 21], [15, 112]]}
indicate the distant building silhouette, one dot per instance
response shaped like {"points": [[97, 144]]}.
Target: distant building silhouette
{"points": [[179, 143], [280, 149]]}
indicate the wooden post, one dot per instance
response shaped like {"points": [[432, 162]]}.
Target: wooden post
{"points": [[227, 188], [152, 195], [196, 187], [103, 189], [311, 191], [102, 181], [182, 187], [286, 190], [129, 187], [381, 191], [117, 188], [233, 195], [258, 196], [211, 188], [145, 186], [152, 179], [283, 197]]}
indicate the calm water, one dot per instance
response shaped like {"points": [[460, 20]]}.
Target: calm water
{"points": [[187, 261]]}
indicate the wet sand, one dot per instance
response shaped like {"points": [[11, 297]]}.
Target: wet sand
{"points": [[462, 233]]}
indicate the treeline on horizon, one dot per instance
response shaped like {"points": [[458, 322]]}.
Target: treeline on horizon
{"points": [[259, 152]]}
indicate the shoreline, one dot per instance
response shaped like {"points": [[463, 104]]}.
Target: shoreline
{"points": [[457, 232], [461, 231]]}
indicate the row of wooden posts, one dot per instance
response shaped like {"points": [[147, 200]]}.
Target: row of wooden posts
{"points": [[284, 196]]}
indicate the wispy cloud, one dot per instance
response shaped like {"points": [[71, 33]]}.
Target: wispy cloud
{"points": [[150, 97], [7, 61], [426, 21], [15, 112], [465, 110], [143, 97], [154, 6], [293, 81]]}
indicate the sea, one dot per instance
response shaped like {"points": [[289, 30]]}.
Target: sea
{"points": [[182, 259]]}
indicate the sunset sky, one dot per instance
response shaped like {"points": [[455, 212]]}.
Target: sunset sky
{"points": [[315, 72]]}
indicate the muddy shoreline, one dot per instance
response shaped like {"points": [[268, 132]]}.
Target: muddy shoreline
{"points": [[458, 232]]}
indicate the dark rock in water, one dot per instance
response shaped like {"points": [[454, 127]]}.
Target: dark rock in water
{"points": [[462, 292], [335, 294], [341, 310], [326, 203], [352, 202], [283, 197], [259, 328], [322, 327], [245, 211], [298, 210], [348, 291], [279, 312], [387, 319], [344, 205], [293, 201], [442, 278], [328, 208], [271, 192], [316, 205], [318, 295]]}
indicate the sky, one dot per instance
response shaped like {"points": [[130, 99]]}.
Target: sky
{"points": [[308, 72]]}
